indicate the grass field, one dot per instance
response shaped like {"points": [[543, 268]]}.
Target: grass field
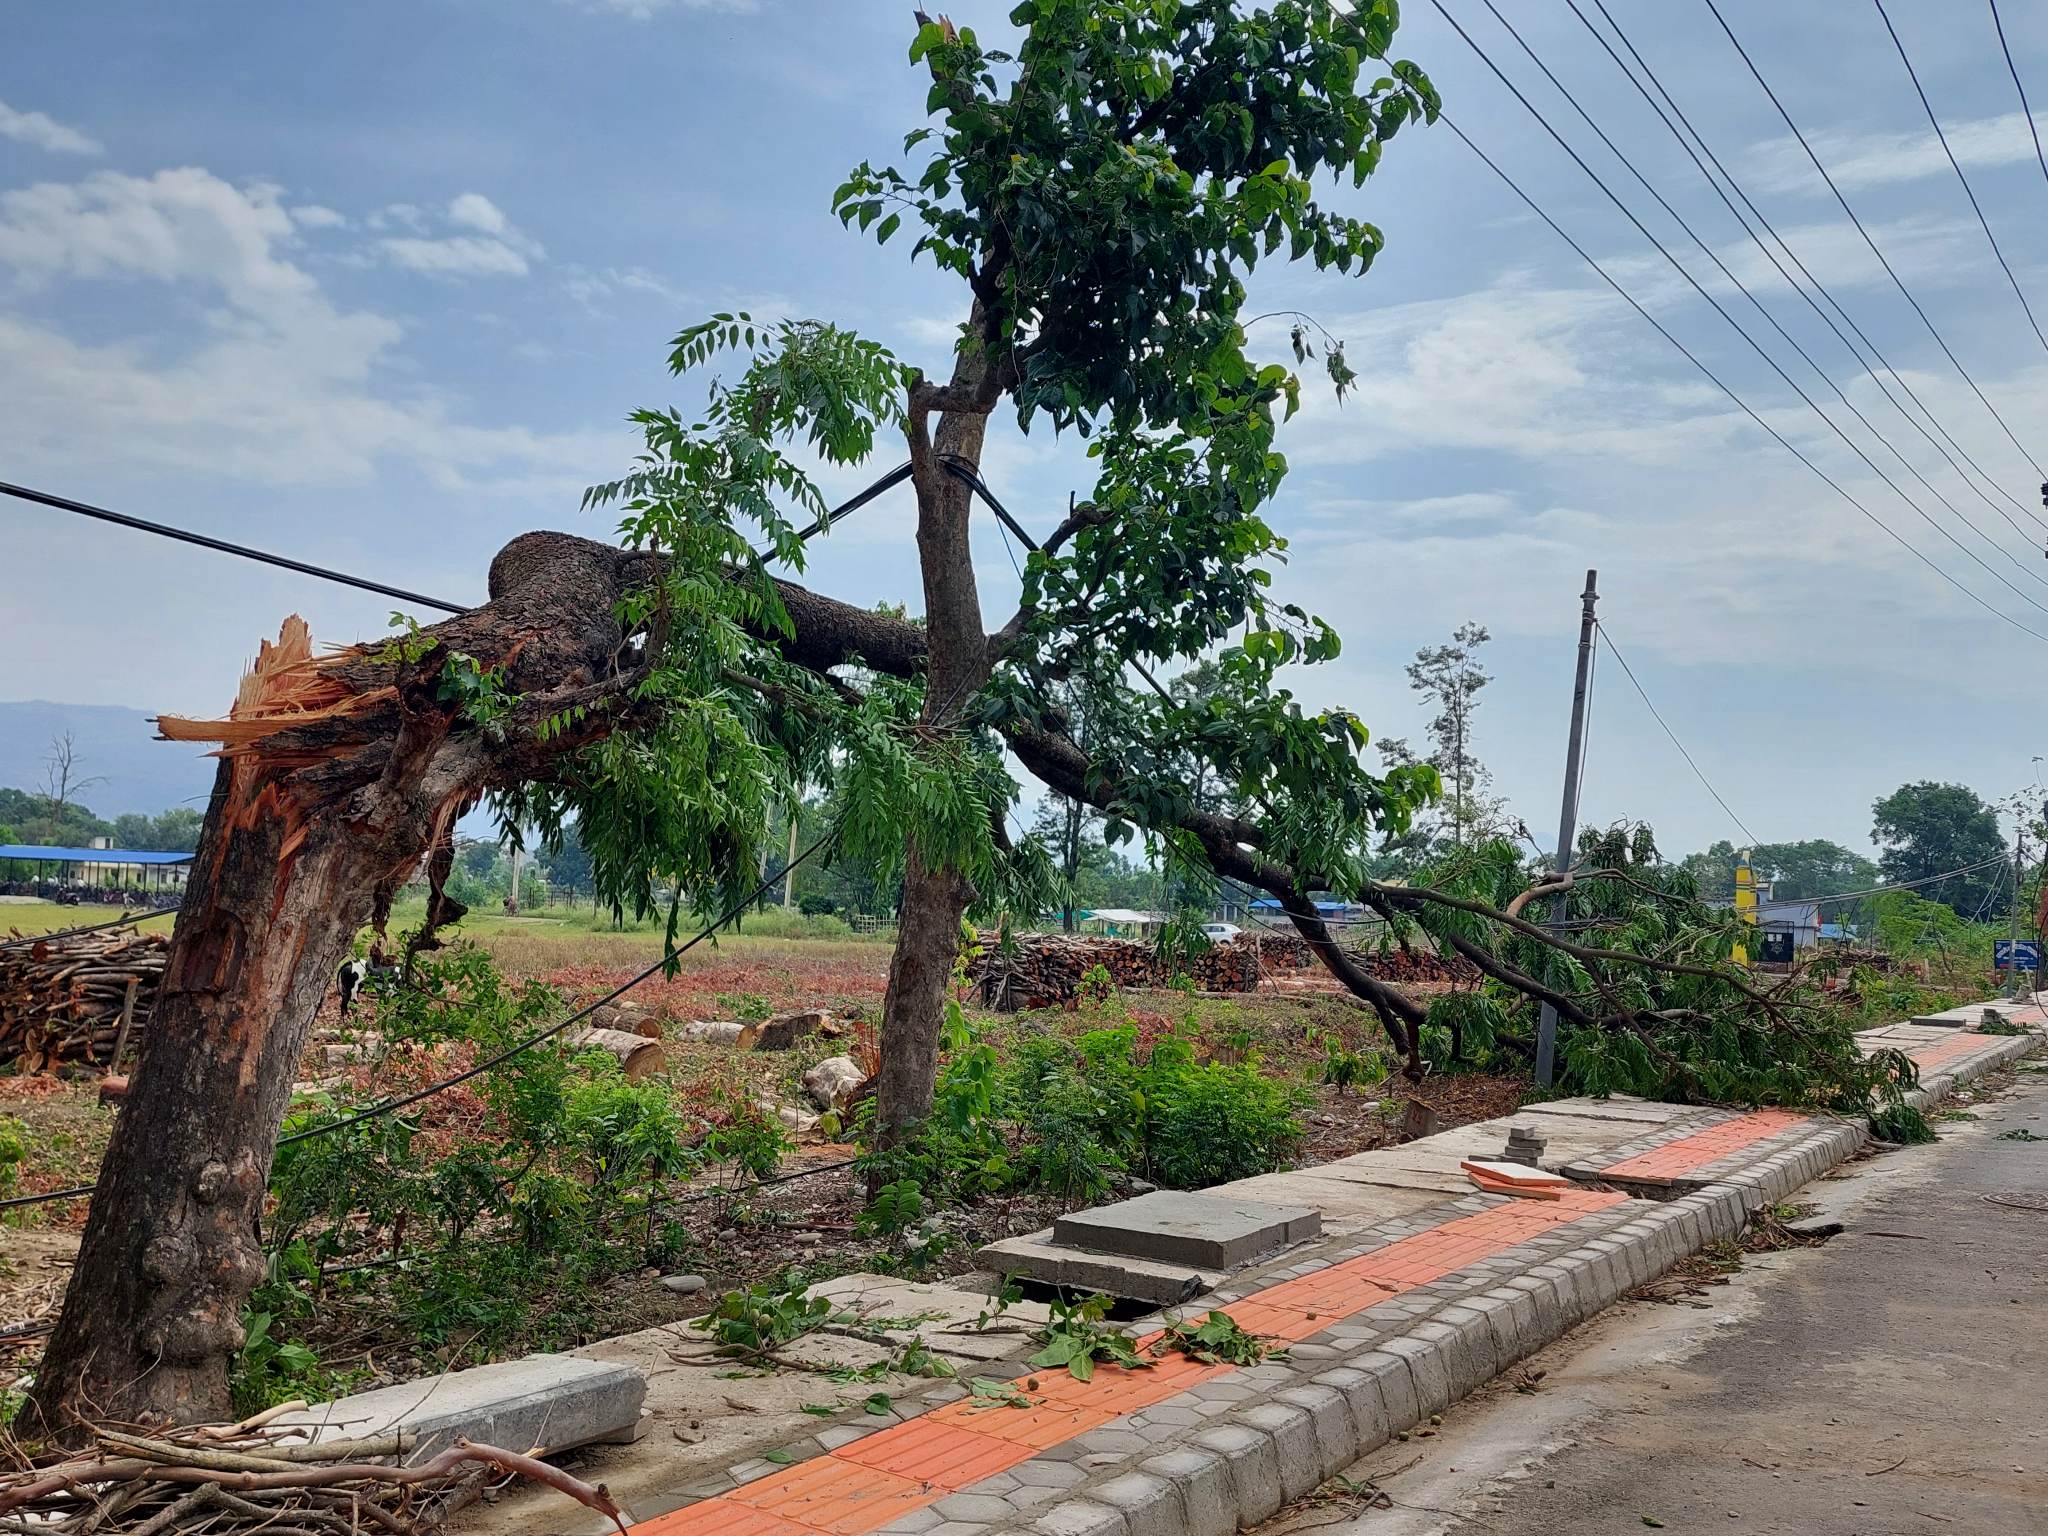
{"points": [[25, 917]]}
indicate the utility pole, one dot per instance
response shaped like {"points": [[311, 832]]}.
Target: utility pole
{"points": [[789, 863], [1568, 813], [2019, 865], [518, 869]]}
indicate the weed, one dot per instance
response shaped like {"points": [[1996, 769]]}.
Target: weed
{"points": [[1075, 1337], [751, 1323], [895, 1209], [1216, 1340], [2022, 1134], [2002, 1026]]}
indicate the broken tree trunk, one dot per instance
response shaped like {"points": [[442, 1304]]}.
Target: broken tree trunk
{"points": [[337, 773]]}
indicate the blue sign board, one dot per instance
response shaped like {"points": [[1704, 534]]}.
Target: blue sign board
{"points": [[2016, 954]]}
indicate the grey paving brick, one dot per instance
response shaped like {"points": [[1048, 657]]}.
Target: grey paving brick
{"points": [[1040, 1473], [1396, 1384], [1293, 1434], [1203, 1479], [913, 1523], [1426, 1368], [1336, 1430], [982, 1508], [1151, 1506], [1080, 1517], [1361, 1390], [1253, 1461]]}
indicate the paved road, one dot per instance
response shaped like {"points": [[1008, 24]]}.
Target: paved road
{"points": [[1878, 1384]]}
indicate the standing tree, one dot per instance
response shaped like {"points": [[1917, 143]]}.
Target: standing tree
{"points": [[1927, 829], [64, 775], [1450, 677]]}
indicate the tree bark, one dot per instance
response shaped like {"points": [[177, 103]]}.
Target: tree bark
{"points": [[338, 772], [935, 897]]}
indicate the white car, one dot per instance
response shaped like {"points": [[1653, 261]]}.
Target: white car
{"points": [[1220, 933]]}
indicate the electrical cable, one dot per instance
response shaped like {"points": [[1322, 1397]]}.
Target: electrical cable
{"points": [[1716, 381], [499, 1058], [1706, 249], [224, 546], [1754, 346], [1897, 282], [1811, 282], [1968, 191], [2013, 69], [1656, 715]]}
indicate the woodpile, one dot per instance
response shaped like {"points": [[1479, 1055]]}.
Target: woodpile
{"points": [[73, 1000], [1045, 970]]}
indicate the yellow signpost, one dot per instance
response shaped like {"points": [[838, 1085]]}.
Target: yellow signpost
{"points": [[1745, 905]]}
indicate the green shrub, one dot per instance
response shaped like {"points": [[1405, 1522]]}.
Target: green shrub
{"points": [[1211, 1123]]}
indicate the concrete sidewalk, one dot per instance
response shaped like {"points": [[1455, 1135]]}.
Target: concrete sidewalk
{"points": [[1422, 1291]]}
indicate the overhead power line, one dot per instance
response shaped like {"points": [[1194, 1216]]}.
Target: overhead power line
{"points": [[225, 546], [1721, 310], [1956, 166], [1897, 281], [2014, 70], [1715, 379], [2030, 571], [1877, 366], [1657, 715]]}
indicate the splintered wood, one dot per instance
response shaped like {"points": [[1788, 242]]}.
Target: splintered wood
{"points": [[64, 1000], [287, 685]]}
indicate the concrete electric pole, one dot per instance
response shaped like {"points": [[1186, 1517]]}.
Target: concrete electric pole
{"points": [[1568, 813]]}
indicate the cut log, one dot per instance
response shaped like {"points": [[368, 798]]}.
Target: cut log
{"points": [[636, 1055], [740, 1037], [782, 1032]]}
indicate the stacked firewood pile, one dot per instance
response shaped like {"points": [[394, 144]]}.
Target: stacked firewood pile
{"points": [[224, 1479], [65, 1000], [1046, 970]]}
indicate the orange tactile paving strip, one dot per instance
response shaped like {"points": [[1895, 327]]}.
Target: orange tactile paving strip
{"points": [[864, 1486], [1676, 1158], [1948, 1050]]}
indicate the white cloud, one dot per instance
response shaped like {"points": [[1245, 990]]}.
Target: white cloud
{"points": [[1860, 159], [45, 132], [644, 10], [473, 210], [494, 248], [457, 256], [313, 216], [279, 386]]}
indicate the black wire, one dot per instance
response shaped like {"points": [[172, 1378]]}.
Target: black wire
{"points": [[894, 478], [2030, 571], [1720, 310], [1812, 282], [402, 1101], [1968, 191], [206, 541], [2014, 70], [1656, 715], [1904, 291]]}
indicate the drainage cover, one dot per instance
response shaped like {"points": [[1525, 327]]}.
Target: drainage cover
{"points": [[2022, 1200]]}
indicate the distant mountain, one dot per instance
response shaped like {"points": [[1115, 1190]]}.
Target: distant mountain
{"points": [[142, 774]]}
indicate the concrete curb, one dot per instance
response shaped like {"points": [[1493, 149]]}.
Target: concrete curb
{"points": [[1350, 1390]]}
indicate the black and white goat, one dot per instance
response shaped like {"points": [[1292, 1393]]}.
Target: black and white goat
{"points": [[354, 973]]}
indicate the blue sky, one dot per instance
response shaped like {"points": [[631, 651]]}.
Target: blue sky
{"points": [[376, 285]]}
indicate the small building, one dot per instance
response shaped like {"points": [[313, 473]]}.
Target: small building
{"points": [[1800, 919], [1122, 923], [37, 864]]}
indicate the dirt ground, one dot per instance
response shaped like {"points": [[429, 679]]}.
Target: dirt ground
{"points": [[735, 1237]]}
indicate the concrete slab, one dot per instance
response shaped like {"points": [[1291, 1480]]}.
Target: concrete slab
{"points": [[1348, 1200], [940, 1317], [1037, 1257], [1207, 1231], [1620, 1107], [552, 1402]]}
